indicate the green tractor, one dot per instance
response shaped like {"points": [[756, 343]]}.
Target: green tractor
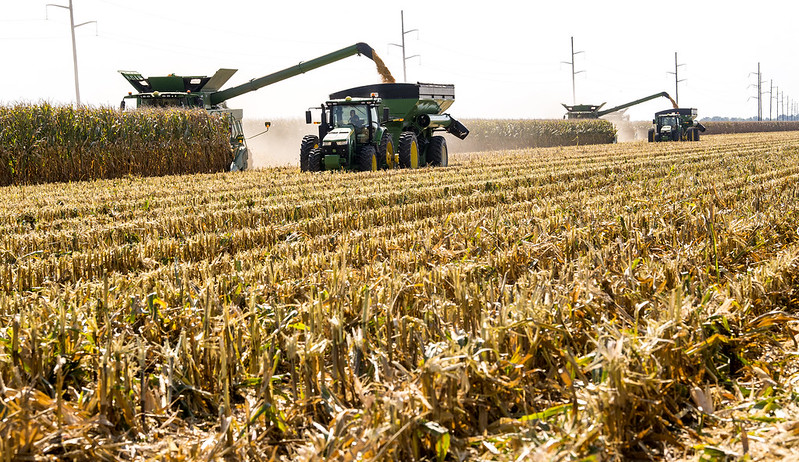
{"points": [[677, 124], [382, 126], [352, 137]]}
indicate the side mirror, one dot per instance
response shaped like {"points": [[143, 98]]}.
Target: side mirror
{"points": [[386, 114], [654, 121], [307, 117]]}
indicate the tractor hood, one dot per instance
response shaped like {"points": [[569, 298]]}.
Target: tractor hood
{"points": [[338, 136]]}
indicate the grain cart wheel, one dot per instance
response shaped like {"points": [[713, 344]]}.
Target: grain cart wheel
{"points": [[309, 143], [367, 158], [696, 134], [437, 154], [408, 150], [386, 150], [651, 135], [315, 160]]}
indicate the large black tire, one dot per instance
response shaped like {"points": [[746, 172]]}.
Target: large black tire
{"points": [[651, 135], [367, 158], [675, 135], [408, 150], [696, 134], [309, 143], [315, 160], [437, 154], [386, 150]]}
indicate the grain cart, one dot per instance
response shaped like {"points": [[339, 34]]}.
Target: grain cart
{"points": [[360, 126], [204, 92], [678, 124]]}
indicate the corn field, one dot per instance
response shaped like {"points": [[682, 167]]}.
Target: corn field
{"points": [[609, 302], [751, 126], [43, 143]]}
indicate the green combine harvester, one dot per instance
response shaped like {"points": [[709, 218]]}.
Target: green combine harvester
{"points": [[360, 126], [204, 92], [592, 111]]}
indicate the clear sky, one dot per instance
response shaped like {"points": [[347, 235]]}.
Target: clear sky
{"points": [[504, 57]]}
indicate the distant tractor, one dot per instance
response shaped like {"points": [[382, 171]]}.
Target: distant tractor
{"points": [[382, 126], [678, 124]]}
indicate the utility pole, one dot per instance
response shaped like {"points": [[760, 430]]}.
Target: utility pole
{"points": [[677, 80], [72, 27], [770, 90], [404, 32], [759, 95], [574, 73], [759, 92], [777, 98]]}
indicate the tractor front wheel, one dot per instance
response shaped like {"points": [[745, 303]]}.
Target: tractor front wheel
{"points": [[651, 135], [309, 143], [437, 154], [408, 150], [367, 158], [315, 160]]}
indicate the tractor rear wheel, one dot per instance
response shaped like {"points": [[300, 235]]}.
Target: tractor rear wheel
{"points": [[386, 150], [309, 142], [315, 160], [367, 158], [651, 135], [408, 150], [437, 154]]}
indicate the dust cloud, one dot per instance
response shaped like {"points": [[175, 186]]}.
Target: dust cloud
{"points": [[629, 130], [280, 146]]}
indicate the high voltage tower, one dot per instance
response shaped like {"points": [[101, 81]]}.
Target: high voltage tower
{"points": [[72, 27], [759, 92], [677, 79], [404, 33], [574, 73]]}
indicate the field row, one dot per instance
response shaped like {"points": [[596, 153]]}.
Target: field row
{"points": [[544, 301]]}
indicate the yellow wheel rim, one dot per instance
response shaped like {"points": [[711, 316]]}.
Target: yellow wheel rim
{"points": [[374, 162], [390, 162], [414, 155]]}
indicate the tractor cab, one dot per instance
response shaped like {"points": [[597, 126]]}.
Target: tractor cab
{"points": [[667, 124], [356, 114]]}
